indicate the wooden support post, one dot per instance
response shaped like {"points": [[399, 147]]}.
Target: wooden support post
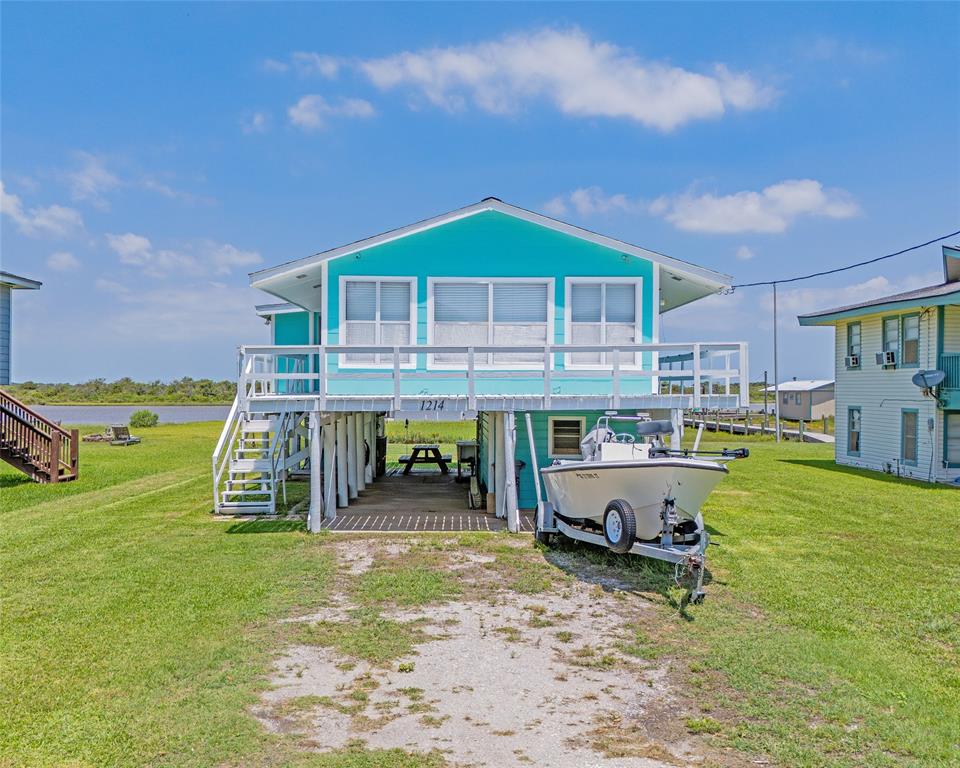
{"points": [[824, 425], [717, 422], [315, 514], [54, 465], [343, 497], [352, 456], [676, 418], [499, 470], [510, 453], [361, 453], [370, 425], [330, 469], [801, 430]]}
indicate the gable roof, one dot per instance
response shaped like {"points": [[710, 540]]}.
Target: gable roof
{"points": [[264, 277], [802, 385], [933, 295]]}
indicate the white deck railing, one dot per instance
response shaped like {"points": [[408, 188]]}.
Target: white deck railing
{"points": [[318, 372]]}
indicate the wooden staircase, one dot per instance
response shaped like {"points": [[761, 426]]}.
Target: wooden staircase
{"points": [[36, 446]]}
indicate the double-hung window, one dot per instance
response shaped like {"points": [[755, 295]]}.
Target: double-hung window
{"points": [[853, 343], [853, 431], [909, 437], [485, 312], [910, 333], [602, 312], [375, 312], [891, 335]]}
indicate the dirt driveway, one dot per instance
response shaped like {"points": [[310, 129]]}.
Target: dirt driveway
{"points": [[484, 651]]}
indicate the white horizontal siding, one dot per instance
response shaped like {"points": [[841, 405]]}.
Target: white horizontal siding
{"points": [[882, 394]]}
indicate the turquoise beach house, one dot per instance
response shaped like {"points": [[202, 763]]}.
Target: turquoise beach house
{"points": [[489, 313]]}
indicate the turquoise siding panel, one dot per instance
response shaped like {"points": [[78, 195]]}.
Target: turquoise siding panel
{"points": [[526, 493], [291, 328], [488, 245]]}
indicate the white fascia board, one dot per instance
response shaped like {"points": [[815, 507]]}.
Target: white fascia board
{"points": [[715, 280], [277, 309], [15, 281]]}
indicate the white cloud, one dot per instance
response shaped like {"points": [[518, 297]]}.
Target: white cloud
{"points": [[258, 122], [311, 112], [225, 258], [803, 300], [590, 201], [579, 76], [63, 261], [744, 253], [771, 210], [50, 221], [91, 180], [205, 257], [180, 313], [308, 63], [274, 65]]}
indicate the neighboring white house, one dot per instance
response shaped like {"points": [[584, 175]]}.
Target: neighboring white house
{"points": [[884, 420], [9, 283], [805, 399]]}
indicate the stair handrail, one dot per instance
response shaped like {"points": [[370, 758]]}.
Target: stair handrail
{"points": [[228, 437], [279, 439], [50, 447], [29, 414]]}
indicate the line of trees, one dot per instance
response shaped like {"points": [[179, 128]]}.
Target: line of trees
{"points": [[126, 390]]}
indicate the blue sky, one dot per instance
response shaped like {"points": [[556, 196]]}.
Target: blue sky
{"points": [[153, 154]]}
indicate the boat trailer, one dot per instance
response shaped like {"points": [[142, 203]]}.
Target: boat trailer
{"points": [[688, 559]]}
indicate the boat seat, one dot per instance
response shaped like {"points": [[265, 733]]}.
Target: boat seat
{"points": [[661, 427]]}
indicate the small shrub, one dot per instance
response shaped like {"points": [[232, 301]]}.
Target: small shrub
{"points": [[143, 418]]}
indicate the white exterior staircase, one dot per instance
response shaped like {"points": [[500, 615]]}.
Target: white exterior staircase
{"points": [[252, 459]]}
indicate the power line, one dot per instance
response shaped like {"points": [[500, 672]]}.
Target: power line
{"points": [[844, 269]]}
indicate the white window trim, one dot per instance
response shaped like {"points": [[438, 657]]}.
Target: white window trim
{"points": [[569, 282], [519, 366], [550, 421], [342, 362]]}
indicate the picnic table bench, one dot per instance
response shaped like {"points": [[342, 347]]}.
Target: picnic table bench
{"points": [[426, 454]]}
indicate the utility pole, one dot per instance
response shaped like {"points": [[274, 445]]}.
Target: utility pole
{"points": [[776, 366], [766, 396]]}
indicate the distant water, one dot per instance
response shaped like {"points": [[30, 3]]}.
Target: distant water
{"points": [[120, 414]]}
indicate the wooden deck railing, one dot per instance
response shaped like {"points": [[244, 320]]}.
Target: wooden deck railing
{"points": [[525, 371], [43, 444]]}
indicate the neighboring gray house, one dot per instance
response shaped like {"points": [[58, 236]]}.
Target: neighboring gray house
{"points": [[9, 283], [806, 399], [884, 420]]}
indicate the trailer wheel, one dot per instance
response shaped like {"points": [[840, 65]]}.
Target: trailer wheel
{"points": [[619, 526]]}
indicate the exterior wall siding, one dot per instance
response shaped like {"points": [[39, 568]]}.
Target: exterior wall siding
{"points": [[491, 245], [5, 334], [882, 395]]}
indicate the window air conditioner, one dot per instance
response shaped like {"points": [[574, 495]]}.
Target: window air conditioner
{"points": [[886, 358], [853, 361]]}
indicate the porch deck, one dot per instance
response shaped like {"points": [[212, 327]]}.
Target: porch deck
{"points": [[425, 501]]}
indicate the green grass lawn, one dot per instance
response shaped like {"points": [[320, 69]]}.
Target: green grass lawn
{"points": [[135, 628]]}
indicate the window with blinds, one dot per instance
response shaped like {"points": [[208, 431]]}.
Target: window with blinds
{"points": [[375, 313], [603, 313], [564, 436], [489, 312], [952, 439]]}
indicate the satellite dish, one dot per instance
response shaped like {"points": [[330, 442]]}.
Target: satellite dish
{"points": [[928, 379]]}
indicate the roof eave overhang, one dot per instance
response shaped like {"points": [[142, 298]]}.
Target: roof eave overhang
{"points": [[16, 281], [832, 316], [715, 281]]}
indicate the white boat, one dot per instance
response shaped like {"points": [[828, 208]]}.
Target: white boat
{"points": [[645, 497]]}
